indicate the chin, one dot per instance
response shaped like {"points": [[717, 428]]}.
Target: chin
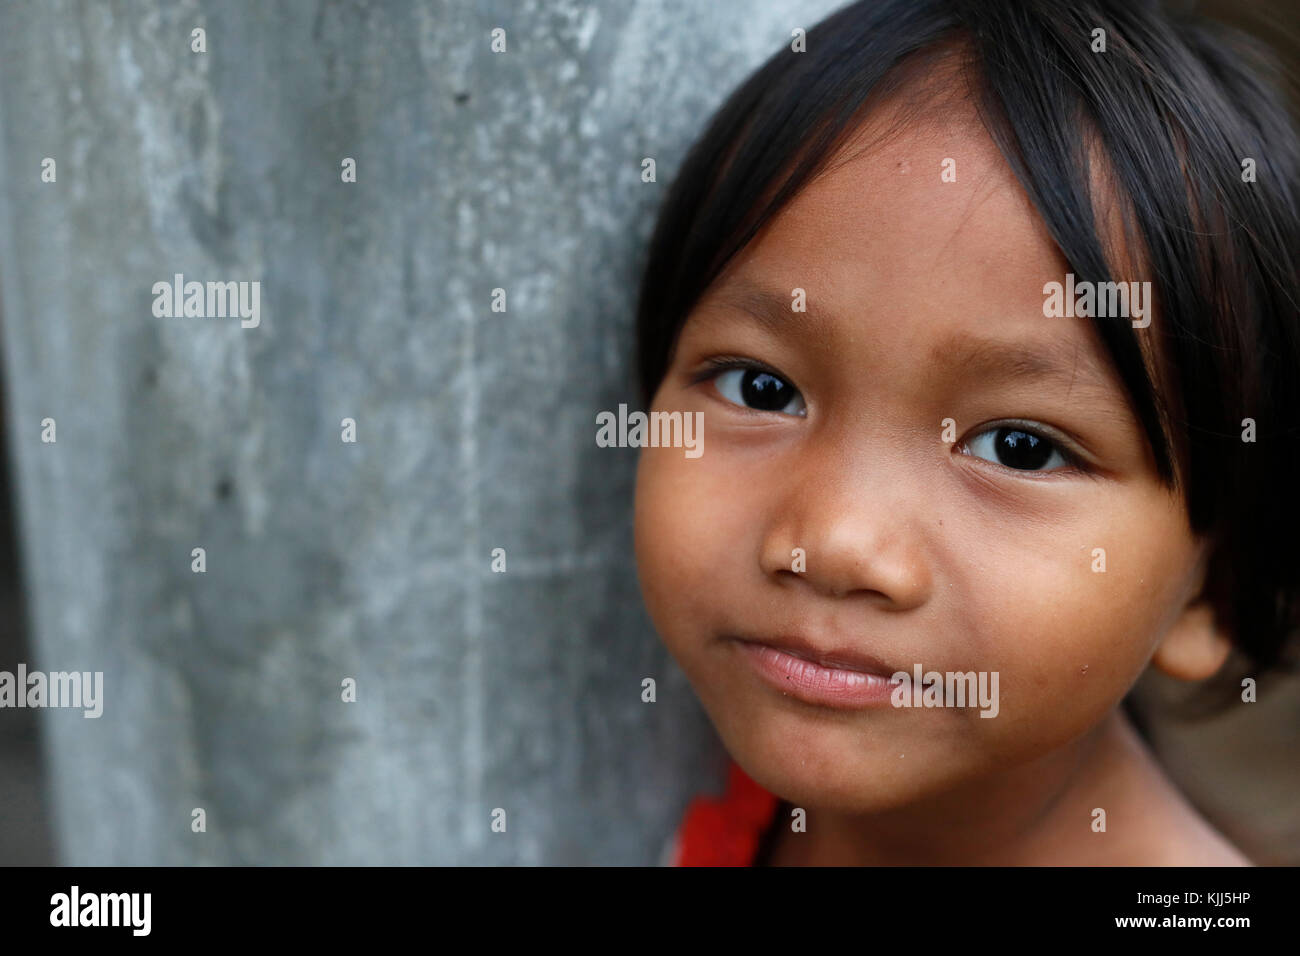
{"points": [[796, 786], [812, 764]]}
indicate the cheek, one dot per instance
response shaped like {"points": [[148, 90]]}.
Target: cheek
{"points": [[1067, 638], [690, 530], [656, 524]]}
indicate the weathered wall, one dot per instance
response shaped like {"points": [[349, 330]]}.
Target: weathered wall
{"points": [[475, 429]]}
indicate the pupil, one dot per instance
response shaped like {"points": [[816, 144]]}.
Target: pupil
{"points": [[1017, 449], [765, 391]]}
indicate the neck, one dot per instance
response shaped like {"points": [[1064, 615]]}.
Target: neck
{"points": [[1038, 813]]}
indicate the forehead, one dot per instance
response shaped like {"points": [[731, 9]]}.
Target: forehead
{"points": [[885, 245], [882, 208]]}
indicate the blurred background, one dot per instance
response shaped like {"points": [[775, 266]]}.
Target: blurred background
{"points": [[372, 560]]}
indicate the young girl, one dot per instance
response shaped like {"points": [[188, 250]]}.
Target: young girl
{"points": [[990, 311]]}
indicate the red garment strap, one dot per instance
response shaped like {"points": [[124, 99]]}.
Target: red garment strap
{"points": [[726, 830]]}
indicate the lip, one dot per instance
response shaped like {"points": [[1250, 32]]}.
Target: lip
{"points": [[839, 678]]}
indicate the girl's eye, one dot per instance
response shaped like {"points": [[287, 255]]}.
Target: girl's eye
{"points": [[1013, 447], [757, 389]]}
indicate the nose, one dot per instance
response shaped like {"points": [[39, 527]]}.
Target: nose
{"points": [[851, 532]]}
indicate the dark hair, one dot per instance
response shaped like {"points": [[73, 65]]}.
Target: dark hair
{"points": [[1173, 107]]}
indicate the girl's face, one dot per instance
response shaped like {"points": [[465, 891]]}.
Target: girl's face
{"points": [[924, 302]]}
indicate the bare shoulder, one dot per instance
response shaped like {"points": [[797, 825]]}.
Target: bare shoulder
{"points": [[1195, 842], [1174, 832], [1174, 836], [1178, 834]]}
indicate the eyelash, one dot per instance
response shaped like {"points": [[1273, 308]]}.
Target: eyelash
{"points": [[716, 366], [723, 363]]}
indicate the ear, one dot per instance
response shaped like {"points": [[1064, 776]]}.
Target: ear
{"points": [[1195, 647]]}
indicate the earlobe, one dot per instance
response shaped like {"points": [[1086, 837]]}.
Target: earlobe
{"points": [[1195, 647]]}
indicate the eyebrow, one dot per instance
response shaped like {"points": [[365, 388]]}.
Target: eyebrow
{"points": [[979, 357], [972, 356], [773, 310]]}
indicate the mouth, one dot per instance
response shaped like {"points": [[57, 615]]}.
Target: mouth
{"points": [[840, 678]]}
